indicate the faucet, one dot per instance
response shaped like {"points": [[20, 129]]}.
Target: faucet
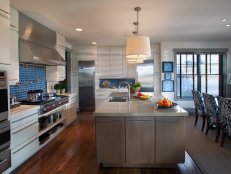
{"points": [[128, 86]]}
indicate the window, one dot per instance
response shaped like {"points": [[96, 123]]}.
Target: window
{"points": [[198, 71]]}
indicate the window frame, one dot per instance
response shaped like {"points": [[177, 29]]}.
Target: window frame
{"points": [[222, 69]]}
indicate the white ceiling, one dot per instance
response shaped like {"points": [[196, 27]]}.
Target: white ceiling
{"points": [[109, 22]]}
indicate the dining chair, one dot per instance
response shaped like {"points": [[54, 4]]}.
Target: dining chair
{"points": [[199, 108], [212, 114], [225, 112]]}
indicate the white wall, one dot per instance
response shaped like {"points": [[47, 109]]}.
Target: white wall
{"points": [[167, 54]]}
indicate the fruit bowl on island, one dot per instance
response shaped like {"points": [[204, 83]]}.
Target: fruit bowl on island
{"points": [[166, 103]]}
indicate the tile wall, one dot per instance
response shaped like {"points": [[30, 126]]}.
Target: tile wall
{"points": [[30, 77], [114, 83]]}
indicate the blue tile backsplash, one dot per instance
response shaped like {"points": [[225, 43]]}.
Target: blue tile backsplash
{"points": [[28, 75], [114, 83]]}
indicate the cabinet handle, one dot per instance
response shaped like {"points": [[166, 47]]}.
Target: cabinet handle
{"points": [[3, 161], [6, 14], [4, 11], [13, 26], [23, 118], [24, 146], [24, 128]]}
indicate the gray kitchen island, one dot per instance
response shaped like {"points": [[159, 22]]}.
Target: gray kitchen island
{"points": [[137, 134]]}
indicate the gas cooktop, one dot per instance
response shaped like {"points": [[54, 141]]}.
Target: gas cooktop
{"points": [[41, 102]]}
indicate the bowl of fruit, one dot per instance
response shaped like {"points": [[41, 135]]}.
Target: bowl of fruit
{"points": [[142, 96], [166, 103]]}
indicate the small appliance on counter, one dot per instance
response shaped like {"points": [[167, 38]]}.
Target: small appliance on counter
{"points": [[35, 95], [13, 102]]}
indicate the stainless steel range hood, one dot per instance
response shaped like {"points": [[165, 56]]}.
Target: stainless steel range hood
{"points": [[37, 43]]}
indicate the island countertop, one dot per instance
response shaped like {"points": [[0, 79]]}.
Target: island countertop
{"points": [[136, 107]]}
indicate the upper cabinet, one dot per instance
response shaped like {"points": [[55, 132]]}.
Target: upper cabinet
{"points": [[5, 32], [60, 45], [55, 73], [13, 19], [86, 52]]}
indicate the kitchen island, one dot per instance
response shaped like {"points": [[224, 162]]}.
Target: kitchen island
{"points": [[137, 134]]}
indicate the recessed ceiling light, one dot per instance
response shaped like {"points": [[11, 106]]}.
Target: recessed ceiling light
{"points": [[223, 20], [227, 25], [79, 29], [94, 43]]}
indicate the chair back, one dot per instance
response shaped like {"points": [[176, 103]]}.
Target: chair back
{"points": [[210, 106], [199, 105], [225, 112]]}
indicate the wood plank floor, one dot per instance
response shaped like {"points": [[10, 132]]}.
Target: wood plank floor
{"points": [[74, 152]]}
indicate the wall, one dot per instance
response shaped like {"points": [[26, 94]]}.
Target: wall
{"points": [[27, 80], [167, 54]]}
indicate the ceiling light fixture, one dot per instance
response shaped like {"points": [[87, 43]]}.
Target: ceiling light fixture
{"points": [[227, 25], [223, 20], [79, 29], [94, 43], [138, 47]]}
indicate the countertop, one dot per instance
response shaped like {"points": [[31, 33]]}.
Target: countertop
{"points": [[136, 107], [70, 94]]}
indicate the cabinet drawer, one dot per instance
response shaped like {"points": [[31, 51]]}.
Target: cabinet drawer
{"points": [[20, 136], [5, 161], [23, 121], [22, 154]]}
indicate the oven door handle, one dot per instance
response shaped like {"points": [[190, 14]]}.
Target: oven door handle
{"points": [[3, 161]]}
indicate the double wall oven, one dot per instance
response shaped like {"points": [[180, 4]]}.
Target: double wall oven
{"points": [[5, 159]]}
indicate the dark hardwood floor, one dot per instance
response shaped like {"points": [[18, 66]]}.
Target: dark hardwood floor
{"points": [[74, 152]]}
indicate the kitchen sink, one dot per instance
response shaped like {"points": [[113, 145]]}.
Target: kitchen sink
{"points": [[117, 99]]}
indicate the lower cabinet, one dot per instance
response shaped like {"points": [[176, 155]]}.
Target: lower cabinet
{"points": [[170, 140], [110, 140], [139, 142]]}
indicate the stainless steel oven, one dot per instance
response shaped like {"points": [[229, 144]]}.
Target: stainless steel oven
{"points": [[4, 97], [4, 135]]}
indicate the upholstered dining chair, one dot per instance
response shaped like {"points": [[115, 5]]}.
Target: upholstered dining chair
{"points": [[199, 108], [212, 114], [225, 112]]}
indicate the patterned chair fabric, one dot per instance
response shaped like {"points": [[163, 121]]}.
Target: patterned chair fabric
{"points": [[198, 101], [211, 108], [225, 112]]}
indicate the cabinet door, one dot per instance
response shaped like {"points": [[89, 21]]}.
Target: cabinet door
{"points": [[60, 45], [103, 62], [13, 75], [61, 70], [110, 140], [74, 64], [140, 140], [170, 140], [13, 19], [5, 38]]}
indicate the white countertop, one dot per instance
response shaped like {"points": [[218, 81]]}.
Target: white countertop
{"points": [[21, 111], [136, 107]]}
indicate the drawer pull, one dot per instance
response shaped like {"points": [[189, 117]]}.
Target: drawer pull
{"points": [[24, 118], [3, 161]]}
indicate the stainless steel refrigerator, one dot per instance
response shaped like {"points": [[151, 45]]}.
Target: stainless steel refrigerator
{"points": [[86, 71]]}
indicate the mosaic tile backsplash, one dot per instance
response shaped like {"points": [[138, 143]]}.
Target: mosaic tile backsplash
{"points": [[114, 83], [30, 77]]}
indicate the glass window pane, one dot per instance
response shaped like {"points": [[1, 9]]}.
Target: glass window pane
{"points": [[213, 84], [203, 84], [214, 63], [187, 85], [202, 63], [208, 64], [183, 63], [189, 64], [195, 64], [178, 86], [195, 82]]}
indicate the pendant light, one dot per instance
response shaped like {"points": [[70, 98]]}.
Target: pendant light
{"points": [[138, 47]]}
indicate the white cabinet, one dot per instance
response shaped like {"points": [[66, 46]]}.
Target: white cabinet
{"points": [[13, 19], [5, 32], [71, 114], [13, 69], [103, 62], [116, 62], [86, 52], [55, 73], [60, 45], [24, 141]]}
